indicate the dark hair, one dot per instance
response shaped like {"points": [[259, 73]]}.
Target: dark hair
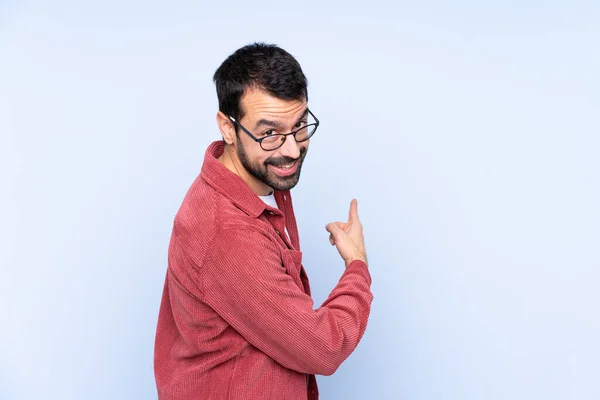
{"points": [[263, 66]]}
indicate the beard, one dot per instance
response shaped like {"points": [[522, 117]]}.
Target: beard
{"points": [[261, 171]]}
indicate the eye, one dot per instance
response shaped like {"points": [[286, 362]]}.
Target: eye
{"points": [[300, 124], [268, 132]]}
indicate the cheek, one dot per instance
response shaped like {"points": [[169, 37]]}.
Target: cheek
{"points": [[304, 148], [252, 154], [262, 161], [258, 157]]}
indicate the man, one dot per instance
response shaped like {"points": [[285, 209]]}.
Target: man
{"points": [[236, 319]]}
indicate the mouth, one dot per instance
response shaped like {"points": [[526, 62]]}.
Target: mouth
{"points": [[285, 169]]}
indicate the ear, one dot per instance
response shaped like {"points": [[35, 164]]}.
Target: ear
{"points": [[226, 127]]}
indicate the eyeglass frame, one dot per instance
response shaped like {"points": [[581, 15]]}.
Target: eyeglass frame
{"points": [[284, 135]]}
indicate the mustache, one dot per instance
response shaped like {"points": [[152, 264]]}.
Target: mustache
{"points": [[281, 161]]}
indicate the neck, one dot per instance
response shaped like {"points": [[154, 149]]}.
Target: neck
{"points": [[230, 160]]}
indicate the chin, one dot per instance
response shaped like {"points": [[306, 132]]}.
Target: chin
{"points": [[284, 184]]}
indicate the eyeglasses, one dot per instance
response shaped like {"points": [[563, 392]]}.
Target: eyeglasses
{"points": [[269, 140]]}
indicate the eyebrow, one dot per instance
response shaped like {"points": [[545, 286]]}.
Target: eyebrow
{"points": [[275, 124]]}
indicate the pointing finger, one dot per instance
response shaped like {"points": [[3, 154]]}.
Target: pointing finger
{"points": [[353, 215]]}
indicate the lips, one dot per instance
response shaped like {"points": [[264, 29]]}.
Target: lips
{"points": [[286, 169]]}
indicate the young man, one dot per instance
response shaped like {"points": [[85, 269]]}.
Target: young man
{"points": [[236, 319]]}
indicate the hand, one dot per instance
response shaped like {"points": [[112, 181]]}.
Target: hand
{"points": [[348, 237]]}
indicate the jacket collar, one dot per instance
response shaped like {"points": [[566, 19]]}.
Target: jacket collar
{"points": [[229, 184]]}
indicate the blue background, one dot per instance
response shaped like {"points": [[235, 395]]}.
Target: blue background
{"points": [[468, 131]]}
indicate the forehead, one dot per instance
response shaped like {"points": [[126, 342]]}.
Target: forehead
{"points": [[257, 103]]}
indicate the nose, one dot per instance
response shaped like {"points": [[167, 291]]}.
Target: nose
{"points": [[290, 148]]}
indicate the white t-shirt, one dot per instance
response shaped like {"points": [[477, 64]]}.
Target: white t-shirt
{"points": [[270, 201]]}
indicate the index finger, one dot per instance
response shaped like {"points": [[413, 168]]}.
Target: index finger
{"points": [[353, 215]]}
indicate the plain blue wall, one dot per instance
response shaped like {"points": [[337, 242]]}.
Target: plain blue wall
{"points": [[469, 134]]}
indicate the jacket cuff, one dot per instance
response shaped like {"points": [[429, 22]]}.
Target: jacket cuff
{"points": [[359, 267]]}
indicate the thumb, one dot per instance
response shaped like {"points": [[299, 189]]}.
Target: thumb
{"points": [[334, 229]]}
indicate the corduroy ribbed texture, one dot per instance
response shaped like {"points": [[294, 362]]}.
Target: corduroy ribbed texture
{"points": [[236, 319]]}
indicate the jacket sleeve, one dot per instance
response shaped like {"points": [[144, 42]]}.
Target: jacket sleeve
{"points": [[244, 281]]}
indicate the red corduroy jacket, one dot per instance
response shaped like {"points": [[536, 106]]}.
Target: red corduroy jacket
{"points": [[236, 319]]}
